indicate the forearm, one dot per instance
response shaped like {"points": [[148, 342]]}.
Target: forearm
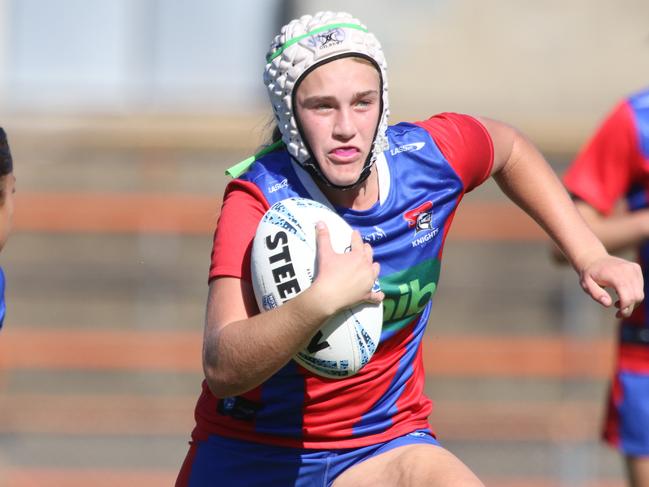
{"points": [[619, 231], [242, 354], [530, 182], [242, 348], [525, 176]]}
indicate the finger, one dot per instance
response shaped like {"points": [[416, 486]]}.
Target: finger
{"points": [[624, 312], [620, 308], [596, 291], [376, 297], [376, 267], [625, 308], [357, 240], [323, 240], [369, 251], [628, 296]]}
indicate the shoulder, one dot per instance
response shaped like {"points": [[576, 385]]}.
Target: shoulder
{"points": [[453, 132], [440, 124], [448, 118], [272, 164], [639, 98], [463, 141], [619, 125], [635, 112]]}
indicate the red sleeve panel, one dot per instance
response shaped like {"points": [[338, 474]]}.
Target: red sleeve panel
{"points": [[466, 145], [604, 169], [243, 207]]}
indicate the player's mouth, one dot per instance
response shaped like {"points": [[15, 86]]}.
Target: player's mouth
{"points": [[344, 154]]}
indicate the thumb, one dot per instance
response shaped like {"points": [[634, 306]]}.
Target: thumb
{"points": [[595, 291], [323, 240]]}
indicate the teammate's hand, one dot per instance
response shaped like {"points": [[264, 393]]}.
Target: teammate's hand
{"points": [[622, 276]]}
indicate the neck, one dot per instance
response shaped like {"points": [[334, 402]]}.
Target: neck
{"points": [[361, 198]]}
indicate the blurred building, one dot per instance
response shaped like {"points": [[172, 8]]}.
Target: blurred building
{"points": [[117, 56], [532, 64]]}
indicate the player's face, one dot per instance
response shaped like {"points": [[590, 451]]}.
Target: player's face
{"points": [[338, 106], [8, 183]]}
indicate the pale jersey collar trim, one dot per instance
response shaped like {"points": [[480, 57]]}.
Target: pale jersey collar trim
{"points": [[383, 172]]}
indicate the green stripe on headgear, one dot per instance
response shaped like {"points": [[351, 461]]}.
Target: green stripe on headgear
{"points": [[324, 28]]}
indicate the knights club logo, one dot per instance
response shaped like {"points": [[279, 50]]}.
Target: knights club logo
{"points": [[421, 217]]}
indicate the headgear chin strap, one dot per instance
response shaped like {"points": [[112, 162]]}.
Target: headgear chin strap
{"points": [[301, 46], [314, 169]]}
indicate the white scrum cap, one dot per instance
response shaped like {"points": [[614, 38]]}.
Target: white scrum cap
{"points": [[306, 43]]}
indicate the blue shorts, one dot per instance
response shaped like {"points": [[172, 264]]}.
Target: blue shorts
{"points": [[627, 422], [225, 461]]}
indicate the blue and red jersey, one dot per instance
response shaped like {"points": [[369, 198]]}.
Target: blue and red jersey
{"points": [[422, 178], [614, 166]]}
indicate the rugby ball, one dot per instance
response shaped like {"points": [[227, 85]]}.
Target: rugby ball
{"points": [[283, 264]]}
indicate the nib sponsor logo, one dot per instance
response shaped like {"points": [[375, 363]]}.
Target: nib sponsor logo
{"points": [[413, 297], [409, 291]]}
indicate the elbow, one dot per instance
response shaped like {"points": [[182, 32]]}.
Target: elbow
{"points": [[227, 373], [218, 383], [223, 383], [220, 372]]}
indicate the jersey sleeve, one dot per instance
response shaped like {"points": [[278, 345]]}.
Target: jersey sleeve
{"points": [[243, 207], [604, 169], [466, 145]]}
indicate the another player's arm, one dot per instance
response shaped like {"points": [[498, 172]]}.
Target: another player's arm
{"points": [[601, 174], [618, 232], [242, 348], [527, 179]]}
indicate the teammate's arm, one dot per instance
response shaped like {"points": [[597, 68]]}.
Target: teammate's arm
{"points": [[527, 179], [242, 348], [620, 231], [601, 174]]}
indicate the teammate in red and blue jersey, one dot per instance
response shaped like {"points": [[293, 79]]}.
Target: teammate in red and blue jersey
{"points": [[612, 170], [7, 189], [261, 418]]}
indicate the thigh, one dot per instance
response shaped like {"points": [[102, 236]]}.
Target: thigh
{"points": [[411, 465], [638, 469]]}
